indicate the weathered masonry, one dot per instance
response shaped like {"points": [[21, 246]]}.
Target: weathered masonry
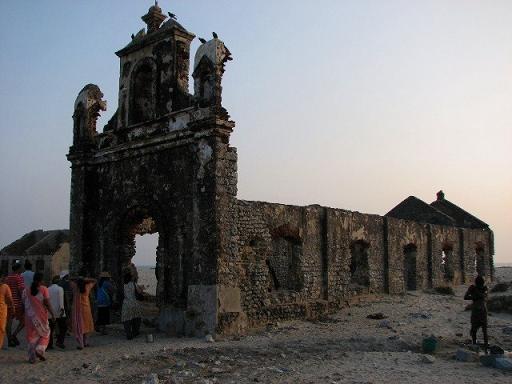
{"points": [[163, 164]]}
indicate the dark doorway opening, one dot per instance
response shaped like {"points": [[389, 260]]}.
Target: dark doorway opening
{"points": [[447, 267], [410, 278], [284, 264], [139, 247], [359, 265]]}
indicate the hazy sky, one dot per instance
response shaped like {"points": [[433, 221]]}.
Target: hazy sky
{"points": [[350, 104]]}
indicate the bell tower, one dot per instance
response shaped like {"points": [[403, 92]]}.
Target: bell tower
{"points": [[154, 70], [162, 165]]}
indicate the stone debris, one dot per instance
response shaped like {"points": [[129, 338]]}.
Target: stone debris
{"points": [[503, 363], [496, 350], [466, 356], [428, 359], [496, 361], [377, 316], [421, 315]]}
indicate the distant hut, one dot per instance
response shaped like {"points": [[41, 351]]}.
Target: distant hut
{"points": [[48, 251]]}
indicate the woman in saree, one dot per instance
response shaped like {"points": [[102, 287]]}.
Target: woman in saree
{"points": [[81, 312], [6, 306], [131, 312], [37, 306]]}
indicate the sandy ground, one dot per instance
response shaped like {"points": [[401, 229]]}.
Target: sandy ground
{"points": [[343, 348]]}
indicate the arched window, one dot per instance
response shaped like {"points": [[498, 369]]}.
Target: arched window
{"points": [[447, 266], [480, 268], [410, 252], [143, 93]]}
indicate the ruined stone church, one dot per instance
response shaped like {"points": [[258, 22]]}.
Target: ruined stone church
{"points": [[163, 164]]}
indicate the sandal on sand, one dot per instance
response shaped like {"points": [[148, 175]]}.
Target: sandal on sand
{"points": [[40, 356]]}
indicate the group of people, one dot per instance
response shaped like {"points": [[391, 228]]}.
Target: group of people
{"points": [[47, 313], [65, 304]]}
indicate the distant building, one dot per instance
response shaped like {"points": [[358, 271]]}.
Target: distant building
{"points": [[48, 251]]}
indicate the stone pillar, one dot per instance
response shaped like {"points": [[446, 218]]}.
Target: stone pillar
{"points": [[77, 215]]}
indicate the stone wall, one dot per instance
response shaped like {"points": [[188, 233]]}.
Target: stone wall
{"points": [[446, 242], [344, 228], [402, 234], [296, 262], [477, 245], [280, 260]]}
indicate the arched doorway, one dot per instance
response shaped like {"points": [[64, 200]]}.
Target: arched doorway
{"points": [[146, 247], [480, 259], [410, 278], [143, 92], [447, 263], [141, 243], [359, 266]]}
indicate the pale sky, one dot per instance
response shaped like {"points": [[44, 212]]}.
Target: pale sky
{"points": [[349, 104]]}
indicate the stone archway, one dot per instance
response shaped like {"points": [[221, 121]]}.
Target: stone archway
{"points": [[139, 220]]}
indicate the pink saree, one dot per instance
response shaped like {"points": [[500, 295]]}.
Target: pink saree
{"points": [[36, 322]]}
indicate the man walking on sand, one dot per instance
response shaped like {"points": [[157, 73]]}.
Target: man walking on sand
{"points": [[60, 321], [478, 293]]}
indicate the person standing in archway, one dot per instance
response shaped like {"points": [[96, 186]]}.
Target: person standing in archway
{"points": [[132, 270], [131, 312], [478, 293]]}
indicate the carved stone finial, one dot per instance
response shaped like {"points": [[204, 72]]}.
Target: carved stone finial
{"points": [[209, 66], [440, 195], [154, 18], [88, 105]]}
